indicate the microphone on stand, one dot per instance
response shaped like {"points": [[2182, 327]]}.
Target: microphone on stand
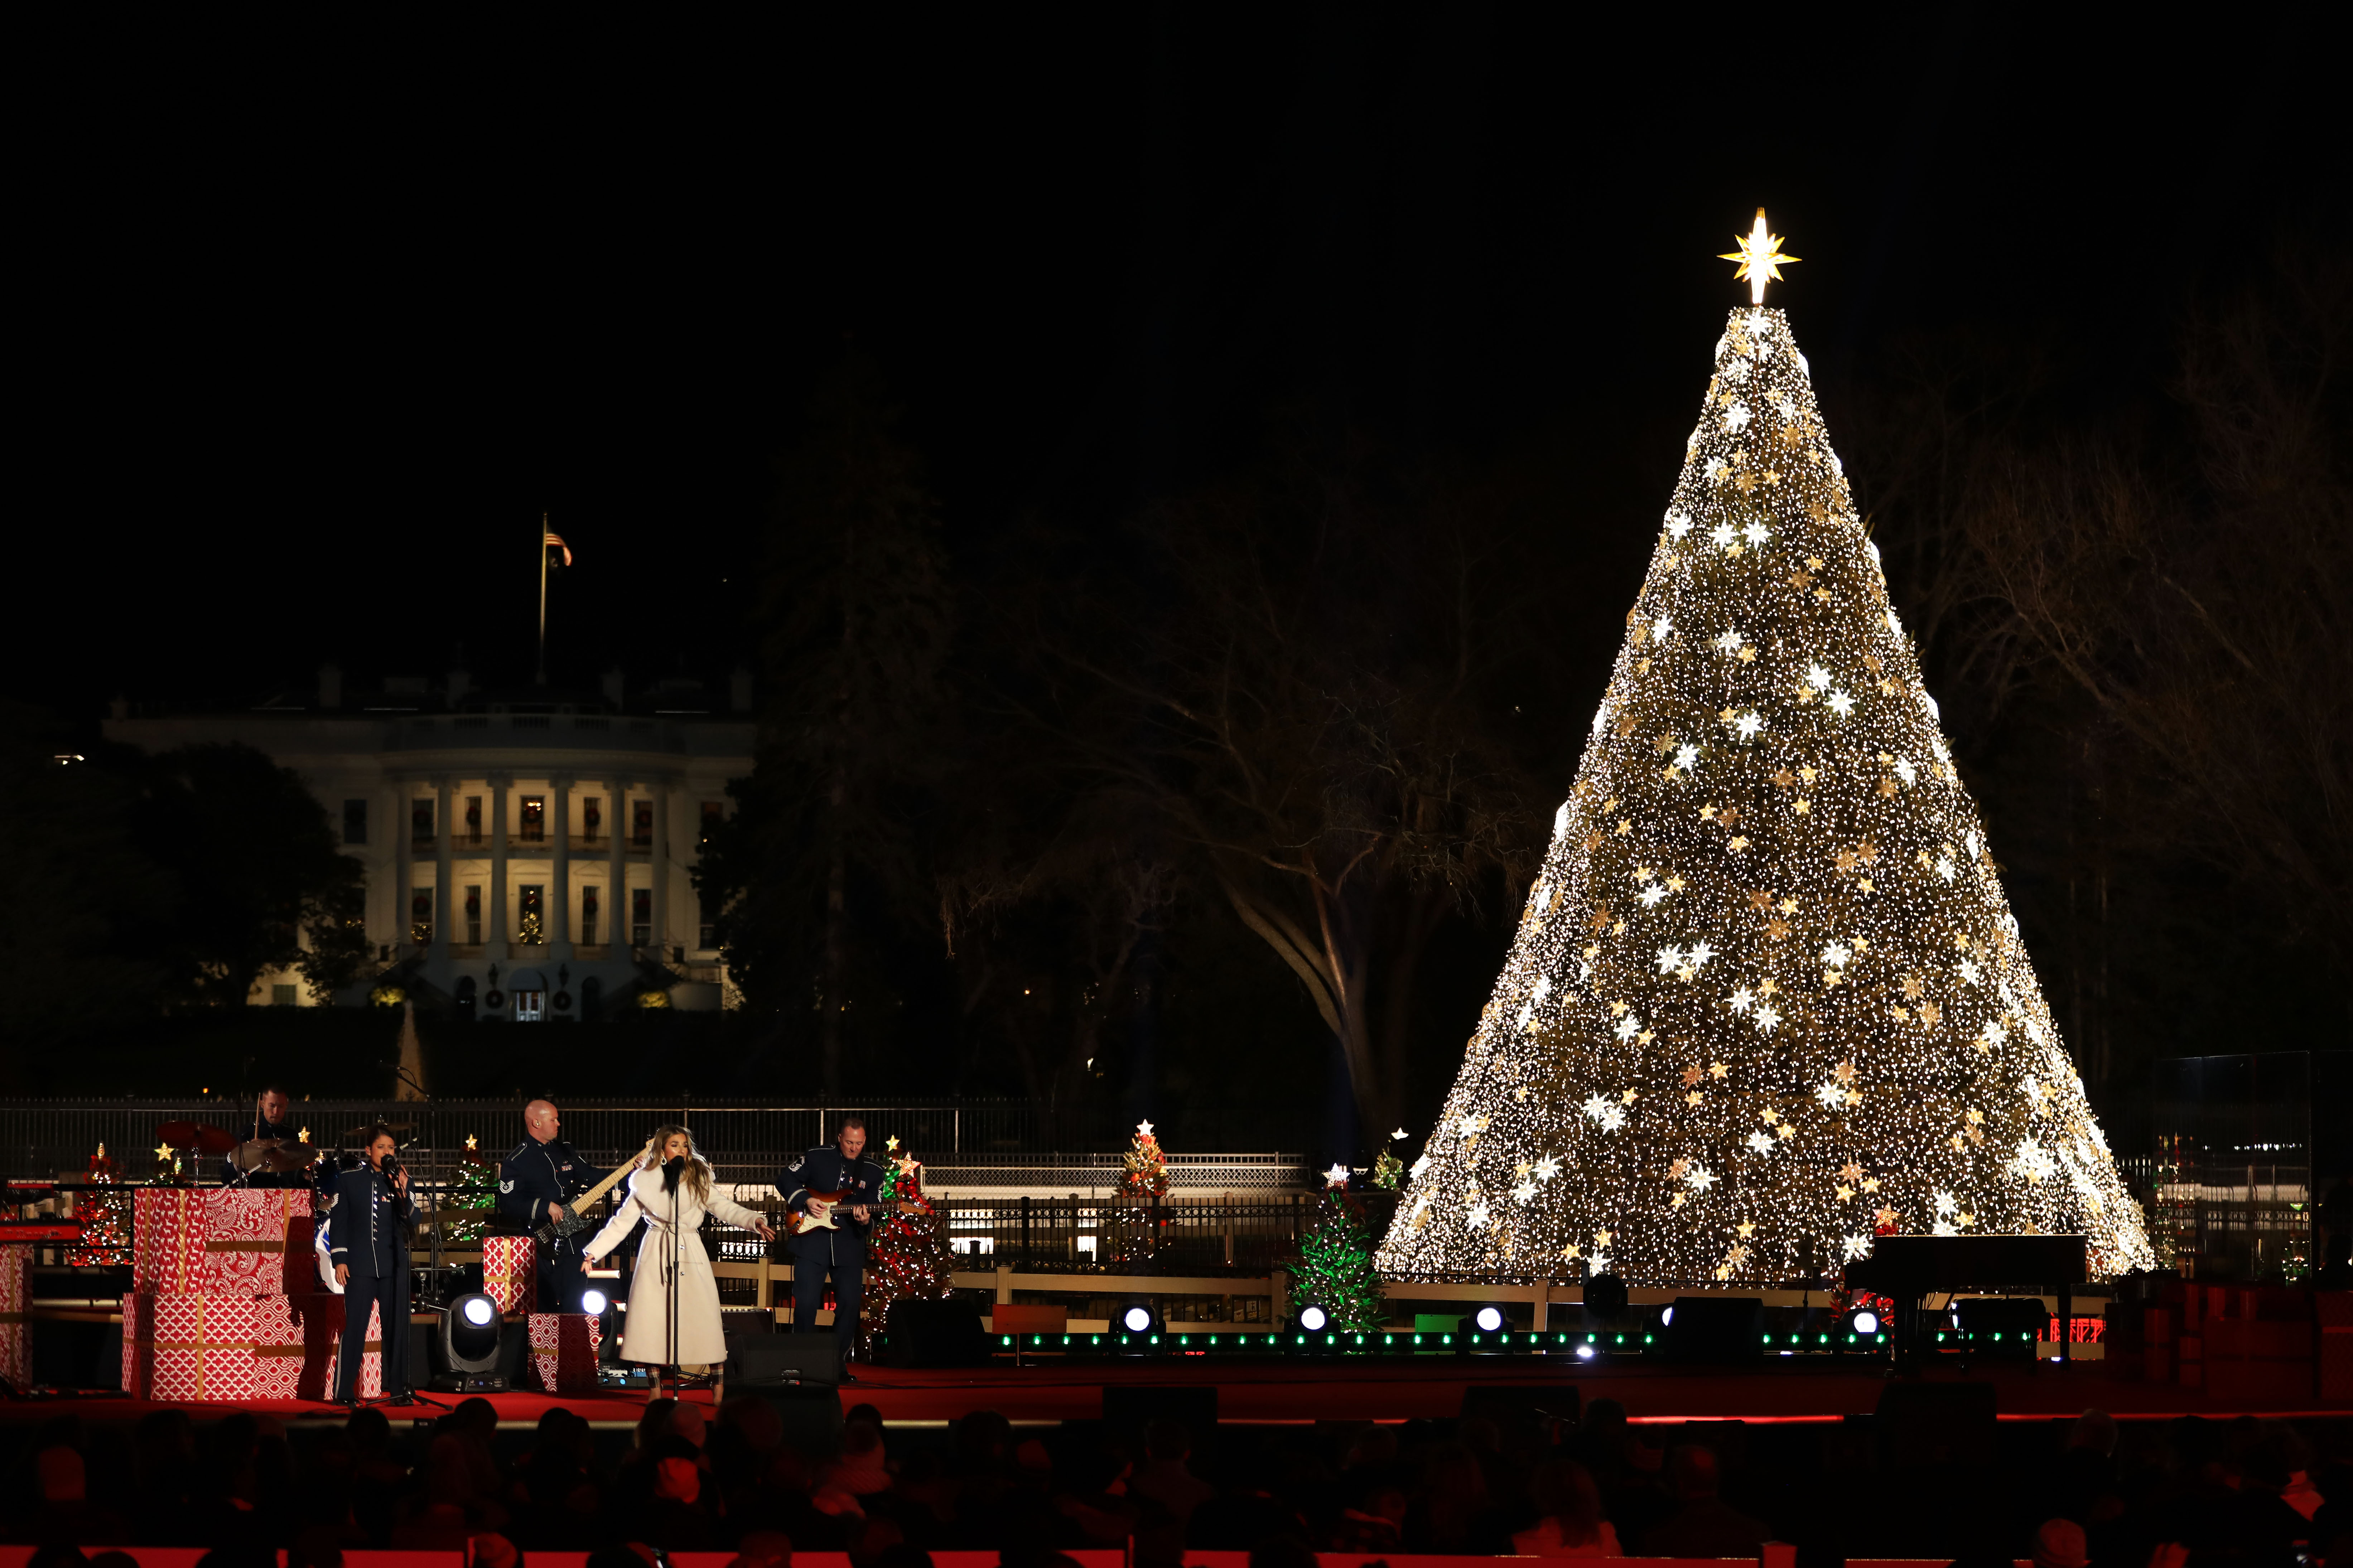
{"points": [[672, 1168]]}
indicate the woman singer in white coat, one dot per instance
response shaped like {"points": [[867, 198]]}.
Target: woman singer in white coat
{"points": [[671, 1192]]}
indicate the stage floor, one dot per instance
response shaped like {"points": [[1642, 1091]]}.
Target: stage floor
{"points": [[1307, 1391]]}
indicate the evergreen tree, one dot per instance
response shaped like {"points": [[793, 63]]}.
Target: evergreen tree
{"points": [[1334, 1268], [907, 1256], [472, 1196], [1767, 999], [857, 616], [104, 1215]]}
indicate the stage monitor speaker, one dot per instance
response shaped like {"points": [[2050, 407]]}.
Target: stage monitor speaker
{"points": [[1716, 1330], [1523, 1412], [1605, 1298], [762, 1362], [933, 1333], [1935, 1425], [1129, 1409]]}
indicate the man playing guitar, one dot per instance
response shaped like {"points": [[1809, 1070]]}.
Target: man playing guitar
{"points": [[829, 1191], [536, 1183]]}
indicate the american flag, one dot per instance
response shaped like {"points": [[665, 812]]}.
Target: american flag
{"points": [[555, 541]]}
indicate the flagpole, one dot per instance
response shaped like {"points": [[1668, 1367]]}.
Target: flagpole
{"points": [[543, 598]]}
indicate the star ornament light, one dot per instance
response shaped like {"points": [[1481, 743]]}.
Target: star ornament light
{"points": [[1760, 258]]}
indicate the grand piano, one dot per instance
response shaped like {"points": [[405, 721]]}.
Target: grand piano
{"points": [[1906, 1267]]}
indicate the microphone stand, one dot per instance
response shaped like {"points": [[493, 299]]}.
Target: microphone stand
{"points": [[670, 1284]]}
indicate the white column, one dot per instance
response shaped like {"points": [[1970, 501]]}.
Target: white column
{"points": [[559, 905], [404, 867], [617, 870], [658, 863], [497, 944], [443, 854]]}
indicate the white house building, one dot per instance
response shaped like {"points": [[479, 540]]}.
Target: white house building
{"points": [[528, 855]]}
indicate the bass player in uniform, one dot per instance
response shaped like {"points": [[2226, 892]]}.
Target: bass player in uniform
{"points": [[536, 1185], [829, 1195]]}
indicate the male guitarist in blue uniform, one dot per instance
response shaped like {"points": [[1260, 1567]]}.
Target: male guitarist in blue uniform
{"points": [[832, 1178], [536, 1184]]}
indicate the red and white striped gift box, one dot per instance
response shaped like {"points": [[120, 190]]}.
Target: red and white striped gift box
{"points": [[564, 1348], [511, 1272], [187, 1345]]}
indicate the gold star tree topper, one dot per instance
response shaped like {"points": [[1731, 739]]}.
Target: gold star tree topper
{"points": [[1759, 257]]}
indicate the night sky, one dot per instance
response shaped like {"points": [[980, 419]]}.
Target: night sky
{"points": [[308, 362]]}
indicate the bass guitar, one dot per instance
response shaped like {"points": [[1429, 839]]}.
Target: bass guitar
{"points": [[573, 1219]]}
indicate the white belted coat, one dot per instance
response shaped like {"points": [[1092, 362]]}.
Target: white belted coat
{"points": [[645, 1335]]}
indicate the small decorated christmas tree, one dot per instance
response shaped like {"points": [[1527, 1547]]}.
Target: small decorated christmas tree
{"points": [[1132, 1229], [104, 1213], [473, 1197], [1144, 1176], [1334, 1269], [907, 1253]]}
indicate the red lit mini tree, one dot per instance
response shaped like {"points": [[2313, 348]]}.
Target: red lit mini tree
{"points": [[907, 1253], [104, 1212]]}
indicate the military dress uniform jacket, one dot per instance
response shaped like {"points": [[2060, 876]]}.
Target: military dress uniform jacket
{"points": [[364, 1231], [823, 1170], [537, 1175]]}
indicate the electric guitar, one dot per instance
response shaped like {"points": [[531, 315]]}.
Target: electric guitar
{"points": [[573, 1220], [821, 1209]]}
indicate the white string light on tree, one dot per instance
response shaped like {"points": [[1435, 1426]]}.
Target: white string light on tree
{"points": [[1767, 1000]]}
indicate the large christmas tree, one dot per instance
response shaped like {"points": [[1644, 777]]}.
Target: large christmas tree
{"points": [[1766, 1000]]}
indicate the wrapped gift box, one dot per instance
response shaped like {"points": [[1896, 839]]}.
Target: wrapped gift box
{"points": [[167, 1240], [564, 1348], [257, 1241], [187, 1345], [294, 1345], [16, 1314], [511, 1272]]}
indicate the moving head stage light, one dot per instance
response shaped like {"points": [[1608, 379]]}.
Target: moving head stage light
{"points": [[470, 1347]]}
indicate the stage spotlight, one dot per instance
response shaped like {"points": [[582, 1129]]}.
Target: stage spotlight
{"points": [[1667, 1318], [1865, 1321], [1489, 1319], [470, 1347], [1605, 1298], [1138, 1318], [1314, 1319], [1585, 1350], [593, 1302]]}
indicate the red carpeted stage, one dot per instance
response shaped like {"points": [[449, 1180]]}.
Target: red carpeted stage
{"points": [[1305, 1392]]}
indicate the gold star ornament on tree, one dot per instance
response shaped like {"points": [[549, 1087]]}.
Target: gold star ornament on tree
{"points": [[1760, 259]]}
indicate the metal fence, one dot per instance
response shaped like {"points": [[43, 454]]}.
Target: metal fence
{"points": [[746, 1142]]}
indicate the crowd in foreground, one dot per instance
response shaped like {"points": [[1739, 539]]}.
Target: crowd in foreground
{"points": [[2066, 1495]]}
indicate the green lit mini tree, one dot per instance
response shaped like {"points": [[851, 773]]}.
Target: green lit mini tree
{"points": [[1767, 1001], [472, 1198], [1335, 1268]]}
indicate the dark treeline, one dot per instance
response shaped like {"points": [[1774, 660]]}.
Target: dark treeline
{"points": [[1216, 811], [1214, 807]]}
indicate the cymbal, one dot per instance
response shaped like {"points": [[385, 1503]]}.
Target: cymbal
{"points": [[362, 1130], [201, 1136], [279, 1154]]}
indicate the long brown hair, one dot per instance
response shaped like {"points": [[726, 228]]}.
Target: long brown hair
{"points": [[697, 1175]]}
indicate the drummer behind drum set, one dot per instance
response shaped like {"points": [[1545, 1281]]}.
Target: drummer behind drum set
{"points": [[274, 1155]]}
